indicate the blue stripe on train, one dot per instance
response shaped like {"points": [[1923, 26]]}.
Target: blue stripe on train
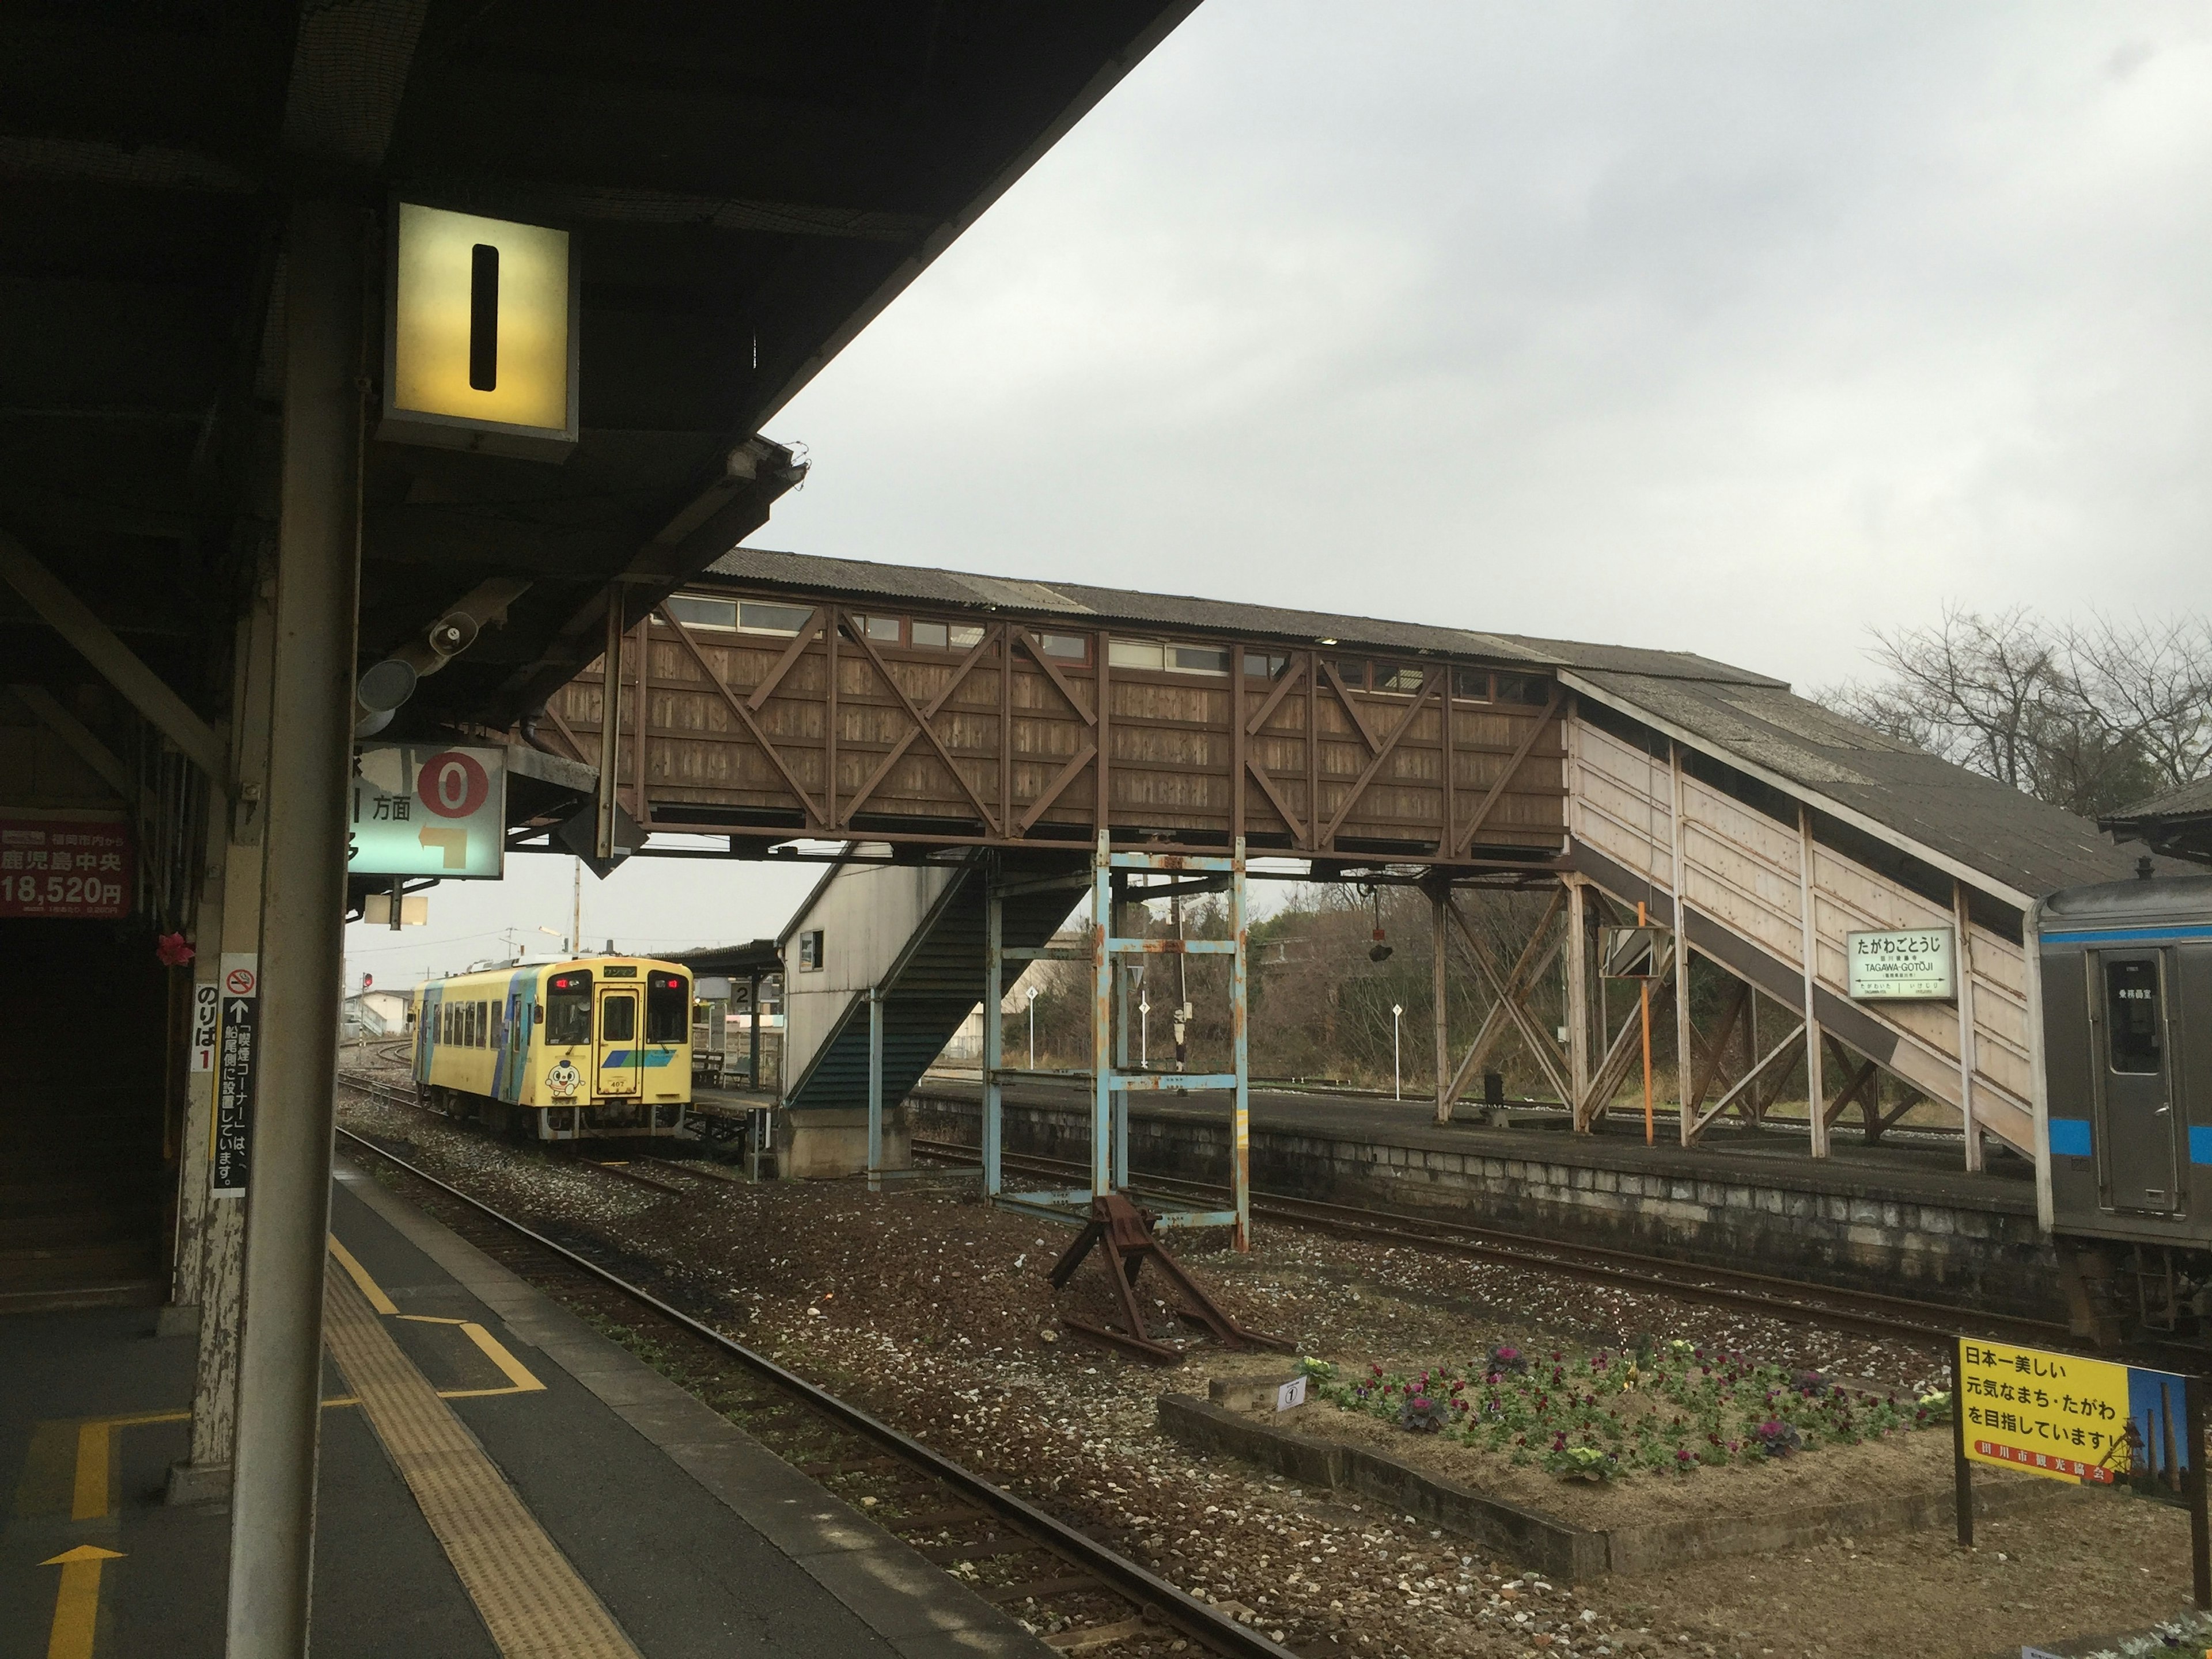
{"points": [[2126, 935], [2069, 1138], [616, 1057]]}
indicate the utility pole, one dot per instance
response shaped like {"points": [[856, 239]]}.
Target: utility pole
{"points": [[576, 908]]}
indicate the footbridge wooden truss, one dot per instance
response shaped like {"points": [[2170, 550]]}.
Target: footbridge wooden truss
{"points": [[1008, 716]]}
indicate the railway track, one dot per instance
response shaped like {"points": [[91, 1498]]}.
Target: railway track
{"points": [[1866, 1311], [1080, 1595]]}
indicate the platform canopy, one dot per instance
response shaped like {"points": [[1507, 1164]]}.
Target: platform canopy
{"points": [[745, 186], [2178, 822]]}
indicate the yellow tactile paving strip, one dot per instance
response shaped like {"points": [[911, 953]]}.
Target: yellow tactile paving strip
{"points": [[531, 1598]]}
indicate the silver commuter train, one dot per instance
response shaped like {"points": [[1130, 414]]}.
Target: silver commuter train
{"points": [[2127, 1039]]}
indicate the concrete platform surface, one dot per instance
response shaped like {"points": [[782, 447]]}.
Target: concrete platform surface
{"points": [[677, 1533]]}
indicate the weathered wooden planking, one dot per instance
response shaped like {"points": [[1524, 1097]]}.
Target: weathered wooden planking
{"points": [[1013, 731]]}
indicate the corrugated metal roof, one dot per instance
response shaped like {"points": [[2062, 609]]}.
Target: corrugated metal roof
{"points": [[2026, 844], [2191, 800], [914, 585]]}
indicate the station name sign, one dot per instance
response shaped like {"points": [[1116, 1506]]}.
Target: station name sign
{"points": [[1912, 964], [422, 808]]}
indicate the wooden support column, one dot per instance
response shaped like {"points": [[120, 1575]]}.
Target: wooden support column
{"points": [[1007, 822], [1963, 966], [1313, 751], [1099, 695], [1680, 885], [610, 678], [1236, 743], [1577, 1002], [213, 1230], [1809, 925], [643, 645], [1440, 938], [831, 814]]}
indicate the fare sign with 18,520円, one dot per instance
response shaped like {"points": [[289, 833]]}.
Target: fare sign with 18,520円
{"points": [[419, 809]]}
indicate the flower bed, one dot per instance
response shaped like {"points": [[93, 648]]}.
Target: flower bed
{"points": [[1671, 1410]]}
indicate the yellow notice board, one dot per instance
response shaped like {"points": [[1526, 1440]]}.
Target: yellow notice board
{"points": [[2069, 1419]]}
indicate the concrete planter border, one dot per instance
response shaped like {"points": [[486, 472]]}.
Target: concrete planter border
{"points": [[1559, 1549]]}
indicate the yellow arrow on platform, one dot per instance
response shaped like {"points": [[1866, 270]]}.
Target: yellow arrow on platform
{"points": [[76, 1608]]}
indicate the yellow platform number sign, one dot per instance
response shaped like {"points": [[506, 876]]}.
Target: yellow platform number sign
{"points": [[2065, 1417]]}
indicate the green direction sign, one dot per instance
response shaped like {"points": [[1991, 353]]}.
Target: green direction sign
{"points": [[1912, 964], [424, 809]]}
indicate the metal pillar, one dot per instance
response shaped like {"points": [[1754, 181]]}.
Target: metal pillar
{"points": [[875, 1088], [752, 1062], [994, 990], [1578, 1009], [1102, 1018], [1239, 990], [302, 938], [607, 806]]}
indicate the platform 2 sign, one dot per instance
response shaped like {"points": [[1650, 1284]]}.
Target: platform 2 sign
{"points": [[426, 810], [77, 868], [237, 1055], [2087, 1422]]}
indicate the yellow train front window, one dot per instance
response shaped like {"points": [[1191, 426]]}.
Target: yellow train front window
{"points": [[667, 1008], [568, 1007]]}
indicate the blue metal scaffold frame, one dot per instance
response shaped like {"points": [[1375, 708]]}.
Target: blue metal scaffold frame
{"points": [[1110, 1079]]}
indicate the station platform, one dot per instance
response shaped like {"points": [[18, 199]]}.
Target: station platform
{"points": [[497, 1479], [1901, 1214]]}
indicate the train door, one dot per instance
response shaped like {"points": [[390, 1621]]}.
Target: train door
{"points": [[618, 1051], [2139, 1136]]}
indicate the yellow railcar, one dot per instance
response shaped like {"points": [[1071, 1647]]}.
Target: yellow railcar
{"points": [[559, 1051]]}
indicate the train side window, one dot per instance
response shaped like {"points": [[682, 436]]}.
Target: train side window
{"points": [[618, 1019], [667, 1009], [569, 1008], [2131, 1005]]}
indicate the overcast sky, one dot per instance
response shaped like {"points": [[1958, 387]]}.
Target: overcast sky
{"points": [[1738, 329]]}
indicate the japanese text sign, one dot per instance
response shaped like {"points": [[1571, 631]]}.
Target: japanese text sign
{"points": [[231, 1129], [2068, 1419], [426, 810], [1914, 964], [63, 866]]}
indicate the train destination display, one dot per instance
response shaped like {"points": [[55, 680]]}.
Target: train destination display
{"points": [[1909, 965]]}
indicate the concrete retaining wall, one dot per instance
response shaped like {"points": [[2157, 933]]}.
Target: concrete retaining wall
{"points": [[1831, 1230], [1554, 1548]]}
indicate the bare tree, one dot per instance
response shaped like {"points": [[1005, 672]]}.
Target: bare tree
{"points": [[2090, 716]]}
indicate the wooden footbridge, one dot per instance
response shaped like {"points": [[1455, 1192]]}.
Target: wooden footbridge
{"points": [[1026, 736]]}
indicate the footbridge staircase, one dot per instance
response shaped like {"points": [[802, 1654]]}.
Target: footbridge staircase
{"points": [[895, 964]]}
